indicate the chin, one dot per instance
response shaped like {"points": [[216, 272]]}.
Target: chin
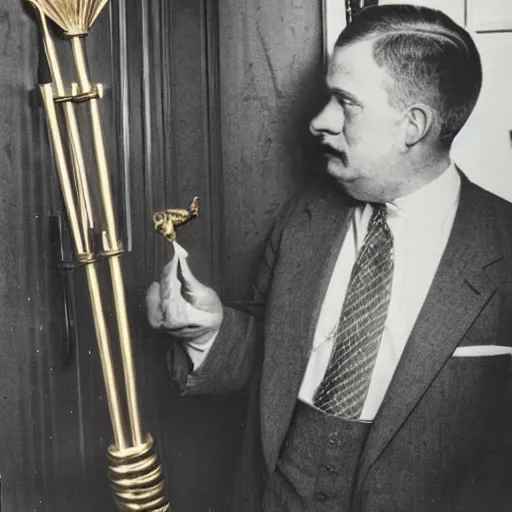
{"points": [[338, 170], [356, 189], [353, 192]]}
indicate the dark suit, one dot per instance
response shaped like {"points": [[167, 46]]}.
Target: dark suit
{"points": [[442, 439]]}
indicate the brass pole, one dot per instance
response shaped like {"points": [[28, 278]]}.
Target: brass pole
{"points": [[105, 357], [92, 278], [72, 124], [113, 245], [135, 474], [80, 236], [62, 169]]}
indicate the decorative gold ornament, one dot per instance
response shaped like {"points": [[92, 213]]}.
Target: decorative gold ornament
{"points": [[167, 221], [136, 478], [135, 474], [74, 17]]}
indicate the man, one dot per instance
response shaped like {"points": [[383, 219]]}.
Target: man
{"points": [[379, 372]]}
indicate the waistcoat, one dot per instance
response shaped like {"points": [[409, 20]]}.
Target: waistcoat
{"points": [[317, 465]]}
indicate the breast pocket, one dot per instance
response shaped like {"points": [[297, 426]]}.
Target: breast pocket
{"points": [[476, 374], [482, 351], [473, 393], [465, 415]]}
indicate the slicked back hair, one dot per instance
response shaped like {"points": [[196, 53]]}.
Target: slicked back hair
{"points": [[429, 58]]}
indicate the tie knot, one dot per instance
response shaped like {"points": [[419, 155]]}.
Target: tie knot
{"points": [[379, 214], [379, 209], [378, 229]]}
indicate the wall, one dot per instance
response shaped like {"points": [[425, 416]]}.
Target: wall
{"points": [[271, 86]]}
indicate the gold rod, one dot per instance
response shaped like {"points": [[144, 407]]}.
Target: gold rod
{"points": [[113, 244], [106, 357], [126, 349], [80, 199], [81, 242], [82, 194], [62, 169], [92, 279], [71, 121], [99, 146]]}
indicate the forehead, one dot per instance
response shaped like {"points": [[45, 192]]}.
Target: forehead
{"points": [[354, 66]]}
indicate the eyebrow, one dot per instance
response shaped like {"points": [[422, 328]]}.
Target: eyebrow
{"points": [[346, 94]]}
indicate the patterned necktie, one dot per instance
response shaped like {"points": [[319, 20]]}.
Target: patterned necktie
{"points": [[344, 387]]}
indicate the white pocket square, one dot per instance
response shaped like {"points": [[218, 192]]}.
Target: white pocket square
{"points": [[482, 350]]}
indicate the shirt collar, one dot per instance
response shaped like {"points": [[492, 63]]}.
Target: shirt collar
{"points": [[433, 199]]}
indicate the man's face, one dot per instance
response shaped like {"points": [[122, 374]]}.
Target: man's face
{"points": [[362, 133]]}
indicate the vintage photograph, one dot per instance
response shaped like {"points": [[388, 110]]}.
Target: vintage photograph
{"points": [[256, 256]]}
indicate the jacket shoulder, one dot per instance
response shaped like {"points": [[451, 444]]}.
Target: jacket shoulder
{"points": [[501, 208], [494, 220]]}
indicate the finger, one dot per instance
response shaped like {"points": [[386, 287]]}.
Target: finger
{"points": [[190, 333], [179, 313], [170, 267], [179, 250], [170, 284], [154, 306], [192, 289], [185, 275]]}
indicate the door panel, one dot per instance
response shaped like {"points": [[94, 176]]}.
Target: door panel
{"points": [[271, 70]]}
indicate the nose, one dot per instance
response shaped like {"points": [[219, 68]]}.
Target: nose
{"points": [[329, 121]]}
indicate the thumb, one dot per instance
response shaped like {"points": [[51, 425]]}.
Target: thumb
{"points": [[170, 284], [191, 289], [185, 275], [154, 306]]}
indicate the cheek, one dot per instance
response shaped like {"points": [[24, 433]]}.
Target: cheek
{"points": [[370, 138]]}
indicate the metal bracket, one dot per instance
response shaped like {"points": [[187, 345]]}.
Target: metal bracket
{"points": [[79, 97], [58, 243]]}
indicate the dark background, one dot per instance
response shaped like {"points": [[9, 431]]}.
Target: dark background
{"points": [[202, 98]]}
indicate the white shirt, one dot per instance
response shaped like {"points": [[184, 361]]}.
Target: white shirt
{"points": [[421, 224]]}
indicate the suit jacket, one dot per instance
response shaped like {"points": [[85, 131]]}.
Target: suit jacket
{"points": [[442, 439]]}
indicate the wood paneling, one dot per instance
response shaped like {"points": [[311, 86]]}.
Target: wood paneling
{"points": [[175, 155], [271, 75], [25, 360]]}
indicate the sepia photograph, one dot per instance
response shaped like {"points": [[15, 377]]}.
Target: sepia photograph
{"points": [[256, 256]]}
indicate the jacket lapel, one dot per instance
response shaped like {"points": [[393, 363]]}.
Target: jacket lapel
{"points": [[309, 250], [460, 289]]}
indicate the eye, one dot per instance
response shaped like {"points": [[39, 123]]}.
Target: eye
{"points": [[343, 100]]}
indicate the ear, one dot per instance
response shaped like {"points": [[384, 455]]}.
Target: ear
{"points": [[420, 119]]}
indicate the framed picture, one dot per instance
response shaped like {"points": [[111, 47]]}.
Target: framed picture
{"points": [[489, 15], [336, 15], [335, 20]]}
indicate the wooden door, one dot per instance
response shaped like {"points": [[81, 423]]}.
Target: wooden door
{"points": [[202, 98]]}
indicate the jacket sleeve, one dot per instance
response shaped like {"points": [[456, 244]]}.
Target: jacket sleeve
{"points": [[239, 343]]}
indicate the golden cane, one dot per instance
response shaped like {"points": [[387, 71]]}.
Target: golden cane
{"points": [[135, 473]]}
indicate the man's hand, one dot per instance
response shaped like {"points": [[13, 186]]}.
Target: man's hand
{"points": [[182, 305]]}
